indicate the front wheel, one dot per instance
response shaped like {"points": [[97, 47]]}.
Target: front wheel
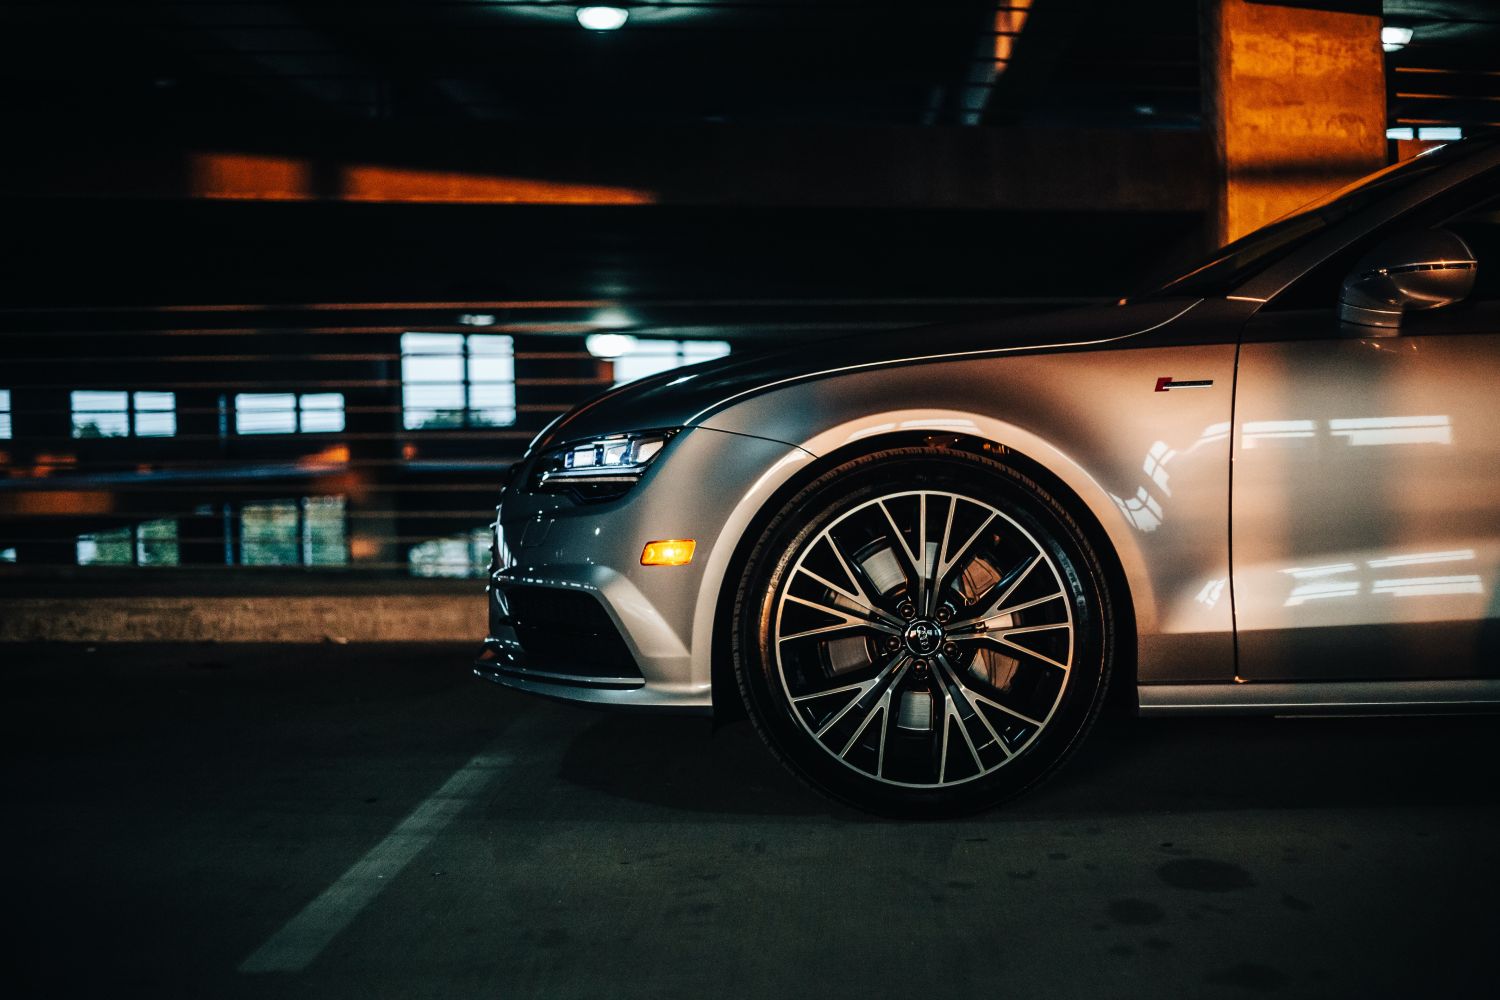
{"points": [[923, 632]]}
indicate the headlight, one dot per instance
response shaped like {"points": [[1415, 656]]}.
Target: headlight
{"points": [[601, 468]]}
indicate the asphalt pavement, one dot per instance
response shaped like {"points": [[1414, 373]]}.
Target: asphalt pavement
{"points": [[371, 821]]}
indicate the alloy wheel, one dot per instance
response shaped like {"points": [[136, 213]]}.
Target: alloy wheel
{"points": [[923, 638]]}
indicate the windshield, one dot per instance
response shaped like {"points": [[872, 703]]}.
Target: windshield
{"points": [[1227, 268]]}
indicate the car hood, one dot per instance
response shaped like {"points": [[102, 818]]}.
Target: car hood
{"points": [[685, 396]]}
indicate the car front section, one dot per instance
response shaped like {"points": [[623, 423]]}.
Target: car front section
{"points": [[574, 611]]}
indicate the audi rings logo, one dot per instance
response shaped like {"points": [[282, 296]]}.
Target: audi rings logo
{"points": [[924, 637]]}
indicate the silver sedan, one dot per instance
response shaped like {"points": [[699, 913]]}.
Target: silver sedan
{"points": [[921, 559]]}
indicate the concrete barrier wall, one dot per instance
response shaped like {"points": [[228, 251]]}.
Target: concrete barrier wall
{"points": [[358, 618]]}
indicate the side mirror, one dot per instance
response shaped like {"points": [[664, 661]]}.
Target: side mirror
{"points": [[1413, 271]]}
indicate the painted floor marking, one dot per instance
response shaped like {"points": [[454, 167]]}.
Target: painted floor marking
{"points": [[302, 938]]}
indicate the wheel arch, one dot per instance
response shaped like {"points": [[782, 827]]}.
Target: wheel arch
{"points": [[1128, 586]]}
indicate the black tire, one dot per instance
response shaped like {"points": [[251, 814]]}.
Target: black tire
{"points": [[992, 673]]}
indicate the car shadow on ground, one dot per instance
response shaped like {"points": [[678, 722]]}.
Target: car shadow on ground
{"points": [[685, 763], [1127, 765]]}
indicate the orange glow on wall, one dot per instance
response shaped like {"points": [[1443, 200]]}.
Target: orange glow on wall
{"points": [[1009, 21], [380, 183], [46, 502], [238, 176], [1297, 103], [243, 175], [46, 464], [351, 484], [334, 455], [363, 547]]}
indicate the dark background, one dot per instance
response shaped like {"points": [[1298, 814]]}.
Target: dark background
{"points": [[735, 171], [212, 199]]}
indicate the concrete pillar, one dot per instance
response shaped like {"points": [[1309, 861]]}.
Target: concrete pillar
{"points": [[1294, 101]]}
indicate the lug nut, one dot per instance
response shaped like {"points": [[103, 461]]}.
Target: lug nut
{"points": [[892, 644], [920, 666], [907, 610], [950, 649], [945, 614]]}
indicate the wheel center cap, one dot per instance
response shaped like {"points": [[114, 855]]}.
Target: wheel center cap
{"points": [[923, 637]]}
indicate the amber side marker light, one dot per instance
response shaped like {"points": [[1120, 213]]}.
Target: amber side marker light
{"points": [[669, 552]]}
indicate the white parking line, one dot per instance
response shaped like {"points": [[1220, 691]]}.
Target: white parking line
{"points": [[302, 938]]}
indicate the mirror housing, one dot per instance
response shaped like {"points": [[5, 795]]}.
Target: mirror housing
{"points": [[1413, 271]]}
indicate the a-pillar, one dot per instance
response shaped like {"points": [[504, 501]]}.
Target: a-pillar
{"points": [[1295, 105]]}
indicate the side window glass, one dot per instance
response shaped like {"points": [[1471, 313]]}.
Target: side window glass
{"points": [[1319, 288]]}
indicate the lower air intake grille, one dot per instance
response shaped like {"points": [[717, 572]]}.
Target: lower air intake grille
{"points": [[559, 631]]}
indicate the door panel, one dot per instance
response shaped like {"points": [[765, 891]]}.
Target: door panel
{"points": [[1366, 498]]}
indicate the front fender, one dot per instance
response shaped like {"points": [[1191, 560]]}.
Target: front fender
{"points": [[1152, 467], [1106, 512]]}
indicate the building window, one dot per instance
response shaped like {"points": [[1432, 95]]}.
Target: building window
{"points": [[101, 414], [150, 543], [309, 531], [4, 413], [651, 357], [457, 555], [288, 412], [457, 380]]}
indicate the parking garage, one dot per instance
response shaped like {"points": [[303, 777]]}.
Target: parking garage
{"points": [[293, 286]]}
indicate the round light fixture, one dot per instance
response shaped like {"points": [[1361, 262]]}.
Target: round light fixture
{"points": [[609, 345], [603, 18]]}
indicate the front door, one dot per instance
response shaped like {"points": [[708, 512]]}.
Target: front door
{"points": [[1365, 520]]}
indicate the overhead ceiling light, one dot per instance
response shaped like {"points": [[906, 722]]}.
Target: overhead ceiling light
{"points": [[603, 18], [477, 319], [1391, 39], [609, 345]]}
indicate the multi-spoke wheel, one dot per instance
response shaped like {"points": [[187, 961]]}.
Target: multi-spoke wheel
{"points": [[922, 631]]}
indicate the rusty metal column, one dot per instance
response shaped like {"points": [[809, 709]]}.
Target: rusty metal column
{"points": [[1294, 102]]}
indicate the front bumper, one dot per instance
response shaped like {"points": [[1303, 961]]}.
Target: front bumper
{"points": [[574, 615]]}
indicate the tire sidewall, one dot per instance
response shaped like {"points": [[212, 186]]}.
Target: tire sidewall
{"points": [[841, 490]]}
